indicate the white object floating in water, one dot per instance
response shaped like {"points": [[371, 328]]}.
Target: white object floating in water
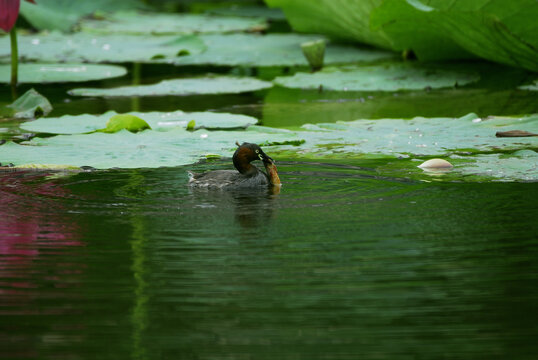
{"points": [[436, 164]]}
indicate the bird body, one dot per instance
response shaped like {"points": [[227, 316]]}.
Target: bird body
{"points": [[246, 174]]}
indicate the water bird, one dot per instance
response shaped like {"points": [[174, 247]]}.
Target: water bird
{"points": [[246, 175]]}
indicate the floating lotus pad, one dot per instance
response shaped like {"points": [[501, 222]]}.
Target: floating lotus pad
{"points": [[81, 47], [127, 150], [464, 141], [54, 73], [520, 165], [273, 50], [418, 136], [162, 23], [64, 14], [196, 86], [79, 124], [393, 77]]}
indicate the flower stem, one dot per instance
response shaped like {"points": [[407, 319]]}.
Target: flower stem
{"points": [[14, 61]]}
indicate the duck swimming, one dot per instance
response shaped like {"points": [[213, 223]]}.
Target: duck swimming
{"points": [[247, 175]]}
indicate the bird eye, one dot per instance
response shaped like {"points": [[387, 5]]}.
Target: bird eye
{"points": [[257, 151]]}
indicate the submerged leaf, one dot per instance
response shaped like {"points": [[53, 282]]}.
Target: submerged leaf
{"points": [[53, 73]]}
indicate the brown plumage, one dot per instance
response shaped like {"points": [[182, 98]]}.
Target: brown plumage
{"points": [[247, 174]]}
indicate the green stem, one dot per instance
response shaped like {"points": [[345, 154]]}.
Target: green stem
{"points": [[14, 61]]}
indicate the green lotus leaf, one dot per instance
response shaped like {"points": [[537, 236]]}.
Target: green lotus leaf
{"points": [[393, 77], [521, 165], [127, 150], [29, 105], [160, 121], [418, 136], [128, 122], [497, 30], [500, 31], [64, 14], [55, 73], [81, 47], [195, 86], [273, 50], [468, 142], [348, 20], [164, 24]]}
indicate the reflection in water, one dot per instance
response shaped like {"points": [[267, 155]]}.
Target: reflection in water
{"points": [[36, 241], [252, 208], [342, 264]]}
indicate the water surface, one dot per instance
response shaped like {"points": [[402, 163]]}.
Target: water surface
{"points": [[341, 264]]}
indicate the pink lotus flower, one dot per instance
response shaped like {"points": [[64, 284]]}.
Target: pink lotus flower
{"points": [[9, 11]]}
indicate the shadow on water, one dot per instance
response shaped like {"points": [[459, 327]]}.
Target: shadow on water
{"points": [[341, 264]]}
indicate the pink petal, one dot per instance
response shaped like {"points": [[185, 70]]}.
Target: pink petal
{"points": [[9, 10]]}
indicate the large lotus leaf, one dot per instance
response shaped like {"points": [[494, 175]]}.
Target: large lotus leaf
{"points": [[497, 30], [290, 108], [416, 137], [79, 124], [521, 165], [54, 73], [29, 105], [337, 18], [127, 150], [63, 14], [249, 11], [195, 86], [81, 47], [273, 50], [393, 77], [163, 23]]}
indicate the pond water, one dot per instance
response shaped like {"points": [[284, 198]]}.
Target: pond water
{"points": [[345, 262], [341, 264]]}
